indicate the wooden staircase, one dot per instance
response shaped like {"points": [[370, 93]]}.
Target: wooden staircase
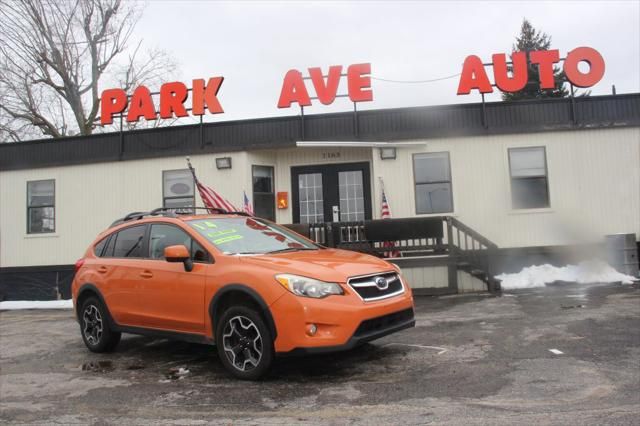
{"points": [[471, 252]]}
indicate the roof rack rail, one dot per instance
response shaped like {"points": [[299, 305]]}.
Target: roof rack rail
{"points": [[174, 212], [188, 210]]}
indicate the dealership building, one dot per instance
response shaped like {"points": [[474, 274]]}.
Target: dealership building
{"points": [[537, 178]]}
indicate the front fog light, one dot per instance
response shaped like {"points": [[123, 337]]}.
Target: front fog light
{"points": [[308, 287], [312, 329]]}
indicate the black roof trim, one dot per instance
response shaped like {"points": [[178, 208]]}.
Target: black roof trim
{"points": [[393, 124]]}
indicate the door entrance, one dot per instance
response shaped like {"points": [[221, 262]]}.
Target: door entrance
{"points": [[331, 193]]}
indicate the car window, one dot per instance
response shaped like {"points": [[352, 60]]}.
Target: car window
{"points": [[98, 248], [162, 236], [198, 253], [247, 235], [129, 242], [108, 252]]}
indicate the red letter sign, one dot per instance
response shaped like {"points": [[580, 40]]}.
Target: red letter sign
{"points": [[113, 101], [206, 96], [596, 66], [293, 90], [545, 60], [473, 77], [172, 97], [141, 105], [326, 93], [358, 84], [358, 79], [519, 71]]}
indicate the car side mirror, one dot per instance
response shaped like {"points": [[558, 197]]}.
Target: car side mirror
{"points": [[179, 253]]}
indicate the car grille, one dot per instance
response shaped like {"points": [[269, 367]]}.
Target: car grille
{"points": [[369, 290], [384, 322]]}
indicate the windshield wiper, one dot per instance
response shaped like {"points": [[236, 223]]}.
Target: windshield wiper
{"points": [[243, 252], [291, 249]]}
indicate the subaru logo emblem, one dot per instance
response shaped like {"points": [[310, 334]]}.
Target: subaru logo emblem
{"points": [[381, 283]]}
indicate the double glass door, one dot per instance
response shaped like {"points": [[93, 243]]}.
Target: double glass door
{"points": [[331, 193]]}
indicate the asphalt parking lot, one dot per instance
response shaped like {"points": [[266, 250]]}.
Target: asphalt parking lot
{"points": [[470, 360]]}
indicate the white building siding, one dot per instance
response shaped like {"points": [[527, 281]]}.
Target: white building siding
{"points": [[594, 185]]}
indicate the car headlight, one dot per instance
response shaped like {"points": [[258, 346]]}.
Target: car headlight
{"points": [[308, 287]]}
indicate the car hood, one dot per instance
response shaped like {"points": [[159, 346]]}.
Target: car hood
{"points": [[331, 265]]}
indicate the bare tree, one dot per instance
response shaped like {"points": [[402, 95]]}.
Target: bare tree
{"points": [[54, 54]]}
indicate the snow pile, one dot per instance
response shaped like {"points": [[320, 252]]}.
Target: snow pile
{"points": [[36, 304], [593, 271]]}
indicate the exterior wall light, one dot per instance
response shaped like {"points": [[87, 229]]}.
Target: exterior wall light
{"points": [[223, 163], [387, 153]]}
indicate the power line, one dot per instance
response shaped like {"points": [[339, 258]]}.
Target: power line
{"points": [[415, 81]]}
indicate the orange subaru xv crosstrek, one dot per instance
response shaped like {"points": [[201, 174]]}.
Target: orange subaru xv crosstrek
{"points": [[253, 288]]}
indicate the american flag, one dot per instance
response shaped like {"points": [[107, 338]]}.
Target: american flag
{"points": [[386, 214], [386, 210], [246, 205], [210, 198]]}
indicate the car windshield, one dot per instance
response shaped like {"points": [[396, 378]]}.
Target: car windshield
{"points": [[248, 235]]}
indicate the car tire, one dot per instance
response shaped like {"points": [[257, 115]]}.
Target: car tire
{"points": [[244, 343], [94, 327]]}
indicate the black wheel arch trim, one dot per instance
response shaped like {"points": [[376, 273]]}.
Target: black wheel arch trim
{"points": [[249, 292], [88, 287]]}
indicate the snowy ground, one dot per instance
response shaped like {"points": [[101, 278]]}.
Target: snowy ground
{"points": [[584, 273], [36, 304]]}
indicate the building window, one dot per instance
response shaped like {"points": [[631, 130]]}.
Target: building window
{"points": [[351, 192], [178, 188], [433, 183], [41, 206], [264, 199], [529, 184], [311, 202]]}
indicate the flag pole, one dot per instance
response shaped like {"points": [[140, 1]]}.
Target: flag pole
{"points": [[195, 180], [193, 172]]}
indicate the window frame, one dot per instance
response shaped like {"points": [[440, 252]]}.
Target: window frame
{"points": [[512, 178], [164, 198], [272, 193], [29, 208], [416, 183]]}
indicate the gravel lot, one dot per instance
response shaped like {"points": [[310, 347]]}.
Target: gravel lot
{"points": [[470, 360]]}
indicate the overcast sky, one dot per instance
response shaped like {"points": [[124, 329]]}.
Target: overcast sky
{"points": [[253, 44]]}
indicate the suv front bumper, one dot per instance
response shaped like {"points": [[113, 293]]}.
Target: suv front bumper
{"points": [[403, 320], [343, 322]]}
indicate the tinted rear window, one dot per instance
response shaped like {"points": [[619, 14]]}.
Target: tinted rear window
{"points": [[99, 248], [129, 242], [108, 252]]}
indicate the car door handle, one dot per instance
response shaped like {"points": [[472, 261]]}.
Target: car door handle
{"points": [[146, 274], [102, 269]]}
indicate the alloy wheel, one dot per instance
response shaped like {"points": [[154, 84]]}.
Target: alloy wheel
{"points": [[242, 343], [93, 327]]}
